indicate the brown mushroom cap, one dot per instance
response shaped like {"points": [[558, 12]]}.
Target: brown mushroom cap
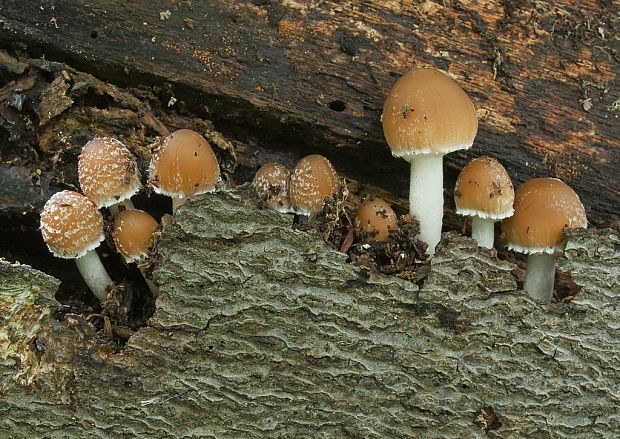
{"points": [[271, 185], [71, 225], [544, 208], [313, 179], [375, 218], [427, 112], [484, 189], [133, 230], [182, 165], [107, 171]]}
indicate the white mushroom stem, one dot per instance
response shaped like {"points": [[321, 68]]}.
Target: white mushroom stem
{"points": [[94, 274], [540, 276], [483, 231], [127, 204], [426, 197], [177, 202]]}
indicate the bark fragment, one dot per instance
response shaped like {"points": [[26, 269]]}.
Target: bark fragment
{"points": [[261, 330]]}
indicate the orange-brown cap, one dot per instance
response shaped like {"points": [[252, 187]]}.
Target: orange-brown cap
{"points": [[133, 230], [71, 225], [107, 171], [182, 165], [544, 208], [375, 218], [271, 186], [426, 112], [313, 179], [484, 189]]}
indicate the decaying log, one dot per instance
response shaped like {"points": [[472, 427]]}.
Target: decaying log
{"points": [[262, 330], [312, 76]]}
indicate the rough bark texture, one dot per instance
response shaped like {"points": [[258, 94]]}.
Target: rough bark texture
{"points": [[312, 76], [261, 330]]}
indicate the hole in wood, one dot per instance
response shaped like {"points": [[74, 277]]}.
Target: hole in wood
{"points": [[337, 106]]}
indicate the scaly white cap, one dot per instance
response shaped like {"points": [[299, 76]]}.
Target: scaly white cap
{"points": [[107, 171]]}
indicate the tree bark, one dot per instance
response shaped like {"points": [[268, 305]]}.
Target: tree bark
{"points": [[262, 330], [312, 76]]}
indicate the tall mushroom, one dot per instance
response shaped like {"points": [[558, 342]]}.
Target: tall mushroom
{"points": [[425, 116], [312, 181], [544, 209], [484, 192], [182, 165], [108, 173], [72, 228]]}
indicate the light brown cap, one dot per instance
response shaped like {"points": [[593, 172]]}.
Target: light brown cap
{"points": [[107, 171], [133, 230], [426, 112], [313, 179], [375, 218], [484, 189], [71, 225], [271, 186], [182, 165], [544, 208]]}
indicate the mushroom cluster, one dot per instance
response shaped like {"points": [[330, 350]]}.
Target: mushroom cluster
{"points": [[183, 164], [426, 115], [302, 191]]}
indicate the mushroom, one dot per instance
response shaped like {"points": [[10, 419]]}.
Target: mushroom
{"points": [[108, 173], [182, 165], [544, 209], [375, 218], [485, 193], [271, 186], [425, 116], [312, 181], [72, 228], [132, 233]]}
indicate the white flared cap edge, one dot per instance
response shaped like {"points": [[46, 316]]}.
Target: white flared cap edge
{"points": [[486, 215], [411, 153]]}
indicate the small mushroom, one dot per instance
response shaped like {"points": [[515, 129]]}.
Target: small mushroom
{"points": [[485, 193], [312, 181], [132, 233], [425, 116], [182, 165], [72, 228], [271, 185], [544, 209], [375, 218], [108, 173]]}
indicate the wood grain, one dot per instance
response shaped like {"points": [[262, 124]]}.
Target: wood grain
{"points": [[312, 76]]}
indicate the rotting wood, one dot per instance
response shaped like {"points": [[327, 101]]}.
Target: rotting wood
{"points": [[312, 76], [261, 330]]}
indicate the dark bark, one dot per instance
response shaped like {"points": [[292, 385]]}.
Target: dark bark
{"points": [[311, 77]]}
